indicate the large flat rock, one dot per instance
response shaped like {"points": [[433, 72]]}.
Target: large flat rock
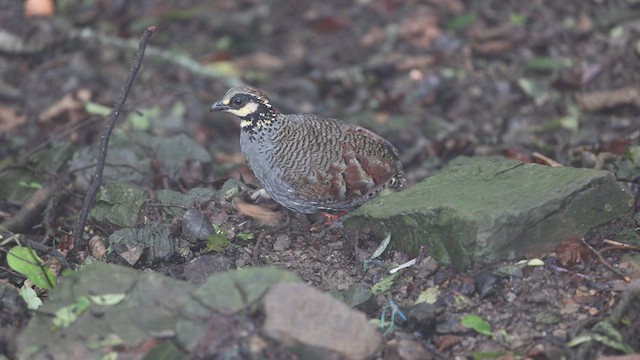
{"points": [[317, 324], [492, 209]]}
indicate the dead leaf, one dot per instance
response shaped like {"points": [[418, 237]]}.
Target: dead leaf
{"points": [[617, 146], [493, 47], [412, 350], [260, 61], [326, 24], [262, 214], [545, 160], [491, 40], [10, 118], [70, 103], [96, 248], [373, 37], [517, 154], [598, 100], [446, 342], [453, 6], [483, 33], [571, 251], [421, 29], [45, 8]]}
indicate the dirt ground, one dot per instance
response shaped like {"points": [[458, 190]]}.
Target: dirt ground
{"points": [[437, 78]]}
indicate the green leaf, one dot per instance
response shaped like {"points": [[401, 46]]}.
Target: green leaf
{"points": [[28, 263], [483, 355], [244, 236], [549, 64], [31, 298], [218, 241], [461, 301], [382, 247], [107, 299], [429, 296], [633, 154], [608, 335], [517, 18], [579, 340], [67, 315], [356, 295], [384, 284], [96, 109], [142, 120], [538, 90], [101, 342], [179, 109], [614, 344], [225, 68], [488, 355], [460, 22], [120, 204], [535, 262], [477, 324], [568, 122], [30, 185]]}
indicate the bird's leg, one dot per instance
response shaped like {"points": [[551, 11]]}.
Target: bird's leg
{"points": [[330, 219]]}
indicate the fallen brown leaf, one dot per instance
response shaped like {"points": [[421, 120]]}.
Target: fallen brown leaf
{"points": [[260, 61], [10, 118], [71, 103], [544, 160], [598, 100], [96, 248], [571, 251], [39, 8], [446, 342], [421, 29], [517, 154], [262, 214]]}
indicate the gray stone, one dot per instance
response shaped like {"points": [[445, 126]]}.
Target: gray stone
{"points": [[317, 324], [489, 210], [198, 269], [283, 242]]}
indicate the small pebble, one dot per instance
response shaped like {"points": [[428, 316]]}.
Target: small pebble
{"points": [[97, 248], [283, 242]]}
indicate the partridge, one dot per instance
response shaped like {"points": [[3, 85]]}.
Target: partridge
{"points": [[309, 163]]}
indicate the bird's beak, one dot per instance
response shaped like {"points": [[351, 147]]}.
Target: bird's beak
{"points": [[219, 106]]}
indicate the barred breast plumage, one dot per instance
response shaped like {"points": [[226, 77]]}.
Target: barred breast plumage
{"points": [[309, 163]]}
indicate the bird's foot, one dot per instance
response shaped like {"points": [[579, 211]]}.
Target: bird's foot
{"points": [[331, 220]]}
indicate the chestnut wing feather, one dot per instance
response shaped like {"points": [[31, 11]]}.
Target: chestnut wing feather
{"points": [[338, 165]]}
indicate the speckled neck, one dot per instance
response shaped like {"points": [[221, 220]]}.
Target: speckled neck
{"points": [[260, 122]]}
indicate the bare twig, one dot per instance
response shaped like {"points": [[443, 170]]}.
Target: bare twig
{"points": [[32, 208], [598, 100], [619, 244], [616, 245], [606, 263], [49, 251], [104, 139], [37, 246], [549, 161]]}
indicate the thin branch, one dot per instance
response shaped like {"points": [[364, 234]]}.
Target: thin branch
{"points": [[104, 139], [547, 160], [604, 262]]}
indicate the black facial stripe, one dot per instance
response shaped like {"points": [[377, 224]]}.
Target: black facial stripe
{"points": [[245, 99]]}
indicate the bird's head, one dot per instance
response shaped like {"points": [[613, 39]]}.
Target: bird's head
{"points": [[251, 105]]}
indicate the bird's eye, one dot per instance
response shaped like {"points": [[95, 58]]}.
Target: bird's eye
{"points": [[238, 102]]}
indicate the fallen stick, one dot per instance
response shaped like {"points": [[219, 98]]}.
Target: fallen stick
{"points": [[112, 119]]}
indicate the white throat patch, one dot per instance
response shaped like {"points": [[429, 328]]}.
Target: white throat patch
{"points": [[245, 110]]}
